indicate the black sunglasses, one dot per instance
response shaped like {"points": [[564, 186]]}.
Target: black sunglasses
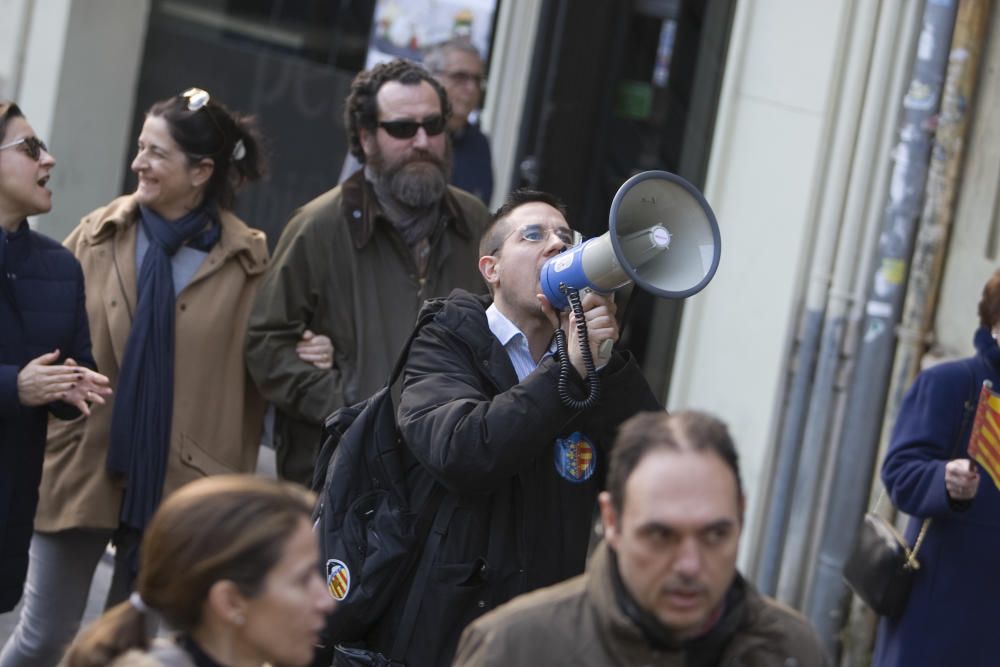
{"points": [[407, 129], [33, 146]]}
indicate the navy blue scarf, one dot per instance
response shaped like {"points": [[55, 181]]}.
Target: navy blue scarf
{"points": [[140, 423]]}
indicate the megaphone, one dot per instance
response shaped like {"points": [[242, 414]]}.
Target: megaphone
{"points": [[662, 235]]}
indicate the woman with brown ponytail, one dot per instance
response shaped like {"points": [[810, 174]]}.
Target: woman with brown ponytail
{"points": [[231, 564], [171, 275]]}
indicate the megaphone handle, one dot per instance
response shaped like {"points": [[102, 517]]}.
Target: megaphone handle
{"points": [[565, 367]]}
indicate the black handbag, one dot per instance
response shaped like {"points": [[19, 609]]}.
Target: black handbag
{"points": [[881, 567]]}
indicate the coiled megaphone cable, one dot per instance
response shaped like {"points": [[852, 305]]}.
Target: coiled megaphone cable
{"points": [[565, 367]]}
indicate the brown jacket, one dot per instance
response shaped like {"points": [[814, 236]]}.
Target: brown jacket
{"points": [[217, 413], [579, 622]]}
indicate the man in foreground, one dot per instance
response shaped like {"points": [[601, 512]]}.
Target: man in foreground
{"points": [[663, 588]]}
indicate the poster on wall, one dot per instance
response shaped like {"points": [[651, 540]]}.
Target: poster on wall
{"points": [[406, 28]]}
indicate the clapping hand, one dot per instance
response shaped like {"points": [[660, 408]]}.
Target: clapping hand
{"points": [[42, 382]]}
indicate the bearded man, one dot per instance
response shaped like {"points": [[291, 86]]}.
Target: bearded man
{"points": [[354, 265]]}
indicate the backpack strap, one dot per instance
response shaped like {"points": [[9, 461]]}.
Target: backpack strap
{"points": [[426, 315], [440, 507], [442, 518]]}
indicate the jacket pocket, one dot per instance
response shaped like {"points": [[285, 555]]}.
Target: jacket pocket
{"points": [[61, 433], [193, 456], [458, 591]]}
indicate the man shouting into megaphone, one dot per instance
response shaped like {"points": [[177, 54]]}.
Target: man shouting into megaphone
{"points": [[486, 425]]}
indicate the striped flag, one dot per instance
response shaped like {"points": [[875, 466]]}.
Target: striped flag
{"points": [[984, 441]]}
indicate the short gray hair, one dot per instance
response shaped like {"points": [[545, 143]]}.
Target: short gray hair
{"points": [[437, 55]]}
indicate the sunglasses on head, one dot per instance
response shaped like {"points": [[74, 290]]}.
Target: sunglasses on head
{"points": [[407, 129], [33, 146], [196, 98]]}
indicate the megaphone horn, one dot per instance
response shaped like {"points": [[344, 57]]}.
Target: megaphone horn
{"points": [[662, 235]]}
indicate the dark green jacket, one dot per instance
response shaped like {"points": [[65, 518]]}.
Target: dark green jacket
{"points": [[342, 270]]}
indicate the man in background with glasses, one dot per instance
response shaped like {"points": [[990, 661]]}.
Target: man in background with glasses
{"points": [[517, 472], [354, 266], [459, 67]]}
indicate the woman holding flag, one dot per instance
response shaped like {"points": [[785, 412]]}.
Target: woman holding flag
{"points": [[928, 473]]}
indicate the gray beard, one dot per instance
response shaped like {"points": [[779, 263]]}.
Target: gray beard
{"points": [[416, 185]]}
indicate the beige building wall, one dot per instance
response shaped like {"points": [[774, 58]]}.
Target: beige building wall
{"points": [[764, 177], [74, 73]]}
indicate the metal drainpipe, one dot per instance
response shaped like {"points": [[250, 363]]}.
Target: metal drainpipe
{"points": [[828, 601], [856, 637], [935, 222], [812, 449], [787, 453], [858, 231], [787, 456], [865, 400]]}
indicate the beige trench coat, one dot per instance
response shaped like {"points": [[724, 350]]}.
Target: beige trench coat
{"points": [[217, 414]]}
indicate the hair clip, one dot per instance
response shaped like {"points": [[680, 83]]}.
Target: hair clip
{"points": [[239, 150]]}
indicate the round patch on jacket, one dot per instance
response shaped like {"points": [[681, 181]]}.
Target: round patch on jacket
{"points": [[575, 457], [338, 579]]}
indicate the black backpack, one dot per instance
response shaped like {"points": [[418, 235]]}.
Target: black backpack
{"points": [[370, 539]]}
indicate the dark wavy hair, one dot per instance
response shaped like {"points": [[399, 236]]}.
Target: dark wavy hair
{"points": [[989, 304], [361, 108], [212, 132], [493, 235]]}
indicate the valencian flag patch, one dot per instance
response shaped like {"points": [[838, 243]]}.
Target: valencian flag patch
{"points": [[576, 457], [338, 579], [984, 441]]}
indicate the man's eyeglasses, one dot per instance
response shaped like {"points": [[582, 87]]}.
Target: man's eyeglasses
{"points": [[407, 129], [33, 146], [536, 233], [461, 78]]}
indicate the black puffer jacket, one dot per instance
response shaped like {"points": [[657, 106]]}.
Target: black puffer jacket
{"points": [[42, 308], [520, 523]]}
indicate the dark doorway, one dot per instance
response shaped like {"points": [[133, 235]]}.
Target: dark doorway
{"points": [[618, 88], [288, 63]]}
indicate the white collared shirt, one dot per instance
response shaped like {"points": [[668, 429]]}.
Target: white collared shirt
{"points": [[514, 342]]}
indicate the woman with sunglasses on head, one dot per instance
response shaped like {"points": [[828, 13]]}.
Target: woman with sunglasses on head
{"points": [[231, 564], [171, 275], [45, 359]]}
